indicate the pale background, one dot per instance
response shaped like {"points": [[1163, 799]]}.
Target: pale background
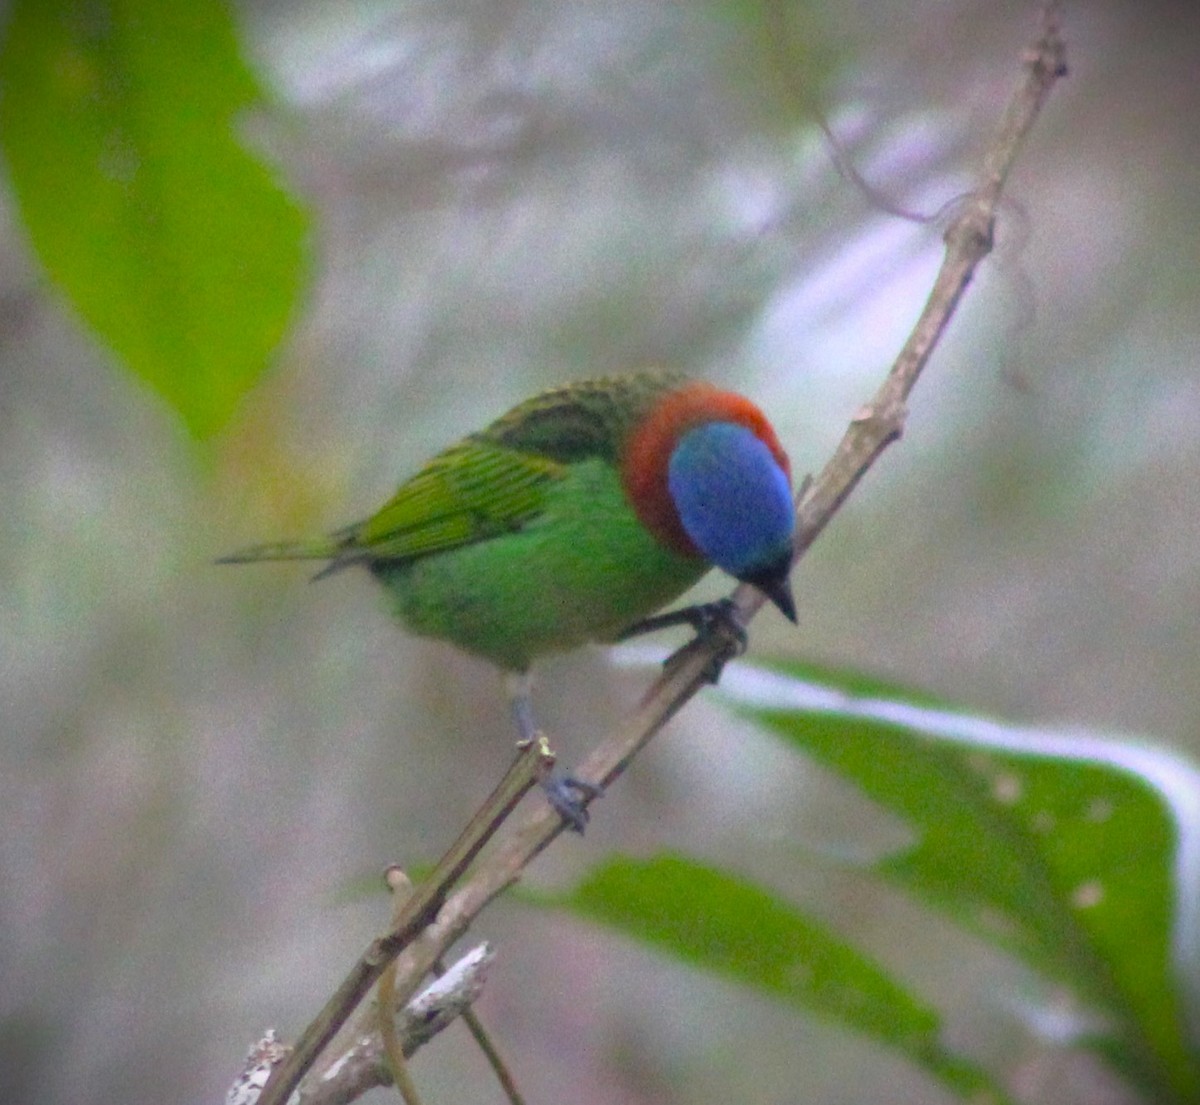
{"points": [[199, 766]]}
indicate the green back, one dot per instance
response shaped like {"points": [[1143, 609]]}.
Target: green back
{"points": [[519, 540], [582, 570], [496, 481]]}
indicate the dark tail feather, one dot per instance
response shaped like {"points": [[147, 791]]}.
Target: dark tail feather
{"points": [[344, 558], [319, 548]]}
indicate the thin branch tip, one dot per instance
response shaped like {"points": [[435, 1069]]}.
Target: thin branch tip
{"points": [[1050, 54], [973, 229]]}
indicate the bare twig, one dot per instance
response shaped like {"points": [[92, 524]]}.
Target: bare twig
{"points": [[385, 998], [262, 1058], [490, 1052], [880, 422], [968, 241], [531, 764], [361, 1066]]}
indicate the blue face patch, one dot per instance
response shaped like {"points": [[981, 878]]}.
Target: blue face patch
{"points": [[733, 498]]}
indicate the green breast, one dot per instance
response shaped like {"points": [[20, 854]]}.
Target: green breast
{"points": [[583, 570]]}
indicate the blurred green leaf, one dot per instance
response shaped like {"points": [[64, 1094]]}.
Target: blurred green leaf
{"points": [[1076, 853], [720, 923], [787, 60], [118, 122]]}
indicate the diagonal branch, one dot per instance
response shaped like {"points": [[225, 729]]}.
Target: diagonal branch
{"points": [[968, 240], [412, 918], [362, 1064]]}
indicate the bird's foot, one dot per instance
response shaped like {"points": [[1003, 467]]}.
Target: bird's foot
{"points": [[707, 619], [569, 796], [702, 617]]}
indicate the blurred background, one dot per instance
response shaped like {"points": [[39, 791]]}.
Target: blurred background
{"points": [[200, 765]]}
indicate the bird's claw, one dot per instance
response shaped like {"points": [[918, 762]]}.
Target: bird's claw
{"points": [[721, 617], [706, 619], [569, 796]]}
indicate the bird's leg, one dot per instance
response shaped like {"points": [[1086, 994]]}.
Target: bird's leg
{"points": [[707, 619], [565, 792], [519, 685]]}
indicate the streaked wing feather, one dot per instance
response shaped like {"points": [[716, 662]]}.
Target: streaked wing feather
{"points": [[472, 491]]}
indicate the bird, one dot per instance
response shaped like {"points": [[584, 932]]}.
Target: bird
{"points": [[572, 518]]}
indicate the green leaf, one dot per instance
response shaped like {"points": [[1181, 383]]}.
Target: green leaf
{"points": [[722, 924], [1077, 853], [787, 57], [119, 125]]}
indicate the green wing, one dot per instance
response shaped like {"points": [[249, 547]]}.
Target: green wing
{"points": [[495, 481], [491, 482], [472, 491]]}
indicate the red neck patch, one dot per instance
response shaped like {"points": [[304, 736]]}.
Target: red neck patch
{"points": [[650, 445]]}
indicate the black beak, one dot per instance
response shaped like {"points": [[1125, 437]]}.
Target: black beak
{"points": [[774, 583]]}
